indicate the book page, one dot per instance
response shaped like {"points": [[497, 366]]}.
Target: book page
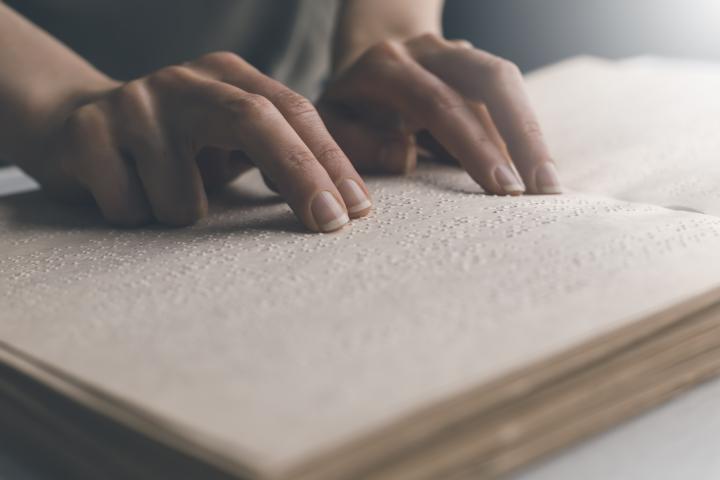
{"points": [[644, 130], [271, 344]]}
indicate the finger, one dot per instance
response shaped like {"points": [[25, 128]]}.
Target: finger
{"points": [[438, 152], [223, 116], [370, 149], [301, 115], [171, 180], [388, 75], [483, 77], [119, 192], [100, 167], [165, 161], [483, 116]]}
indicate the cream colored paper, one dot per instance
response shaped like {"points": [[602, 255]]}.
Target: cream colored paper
{"points": [[644, 130], [273, 344]]}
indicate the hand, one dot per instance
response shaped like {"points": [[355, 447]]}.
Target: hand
{"points": [[147, 149], [472, 104]]}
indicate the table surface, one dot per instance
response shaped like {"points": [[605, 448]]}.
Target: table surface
{"points": [[678, 440]]}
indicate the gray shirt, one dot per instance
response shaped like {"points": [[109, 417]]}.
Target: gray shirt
{"points": [[287, 39]]}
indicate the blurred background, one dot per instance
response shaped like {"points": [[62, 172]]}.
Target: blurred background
{"points": [[533, 33]]}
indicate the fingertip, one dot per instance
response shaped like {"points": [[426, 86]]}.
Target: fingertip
{"points": [[328, 213], [546, 180], [355, 197], [507, 181]]}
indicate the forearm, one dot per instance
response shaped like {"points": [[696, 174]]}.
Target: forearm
{"points": [[40, 81], [362, 23]]}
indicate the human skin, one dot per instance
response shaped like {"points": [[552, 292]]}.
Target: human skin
{"points": [[147, 150]]}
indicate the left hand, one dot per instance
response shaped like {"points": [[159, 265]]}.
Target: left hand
{"points": [[472, 103]]}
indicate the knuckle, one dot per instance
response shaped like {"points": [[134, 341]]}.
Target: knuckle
{"points": [[221, 59], [386, 51], [134, 100], [531, 128], [299, 160], [332, 158], [485, 141], [444, 100], [461, 44], [87, 122], [134, 113], [172, 76], [250, 105], [430, 38], [83, 122], [294, 103], [502, 68]]}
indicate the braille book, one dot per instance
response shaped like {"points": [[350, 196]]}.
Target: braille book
{"points": [[451, 334]]}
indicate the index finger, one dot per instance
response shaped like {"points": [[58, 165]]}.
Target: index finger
{"points": [[301, 115], [215, 114]]}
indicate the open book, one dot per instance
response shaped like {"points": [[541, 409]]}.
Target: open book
{"points": [[449, 335]]}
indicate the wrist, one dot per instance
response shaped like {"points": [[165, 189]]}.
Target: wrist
{"points": [[364, 23], [41, 82]]}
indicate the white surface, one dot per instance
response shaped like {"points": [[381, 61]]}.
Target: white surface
{"points": [[12, 180], [678, 441], [642, 130]]}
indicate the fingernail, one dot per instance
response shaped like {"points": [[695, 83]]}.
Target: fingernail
{"points": [[508, 180], [354, 196], [328, 213], [546, 179]]}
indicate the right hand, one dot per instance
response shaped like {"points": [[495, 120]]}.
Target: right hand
{"points": [[148, 149]]}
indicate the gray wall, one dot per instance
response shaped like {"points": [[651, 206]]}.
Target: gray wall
{"points": [[535, 32]]}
